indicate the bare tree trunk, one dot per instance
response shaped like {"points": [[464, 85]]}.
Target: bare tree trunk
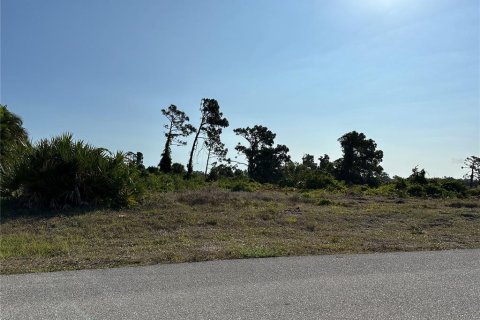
{"points": [[190, 161], [208, 160], [471, 178]]}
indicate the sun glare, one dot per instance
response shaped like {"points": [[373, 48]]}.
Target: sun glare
{"points": [[382, 4]]}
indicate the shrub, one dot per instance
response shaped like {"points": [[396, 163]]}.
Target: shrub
{"points": [[400, 183], [418, 176], [474, 192], [153, 170], [432, 190], [178, 168], [221, 171], [303, 177], [165, 182], [325, 202], [415, 190], [319, 181], [60, 172], [244, 186], [241, 183], [454, 186], [386, 190]]}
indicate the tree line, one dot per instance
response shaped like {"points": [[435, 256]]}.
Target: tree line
{"points": [[60, 171], [360, 163], [270, 162]]}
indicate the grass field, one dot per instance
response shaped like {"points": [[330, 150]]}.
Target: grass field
{"points": [[216, 224]]}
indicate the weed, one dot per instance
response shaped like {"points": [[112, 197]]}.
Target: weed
{"points": [[325, 202], [211, 222], [291, 219], [256, 252], [311, 227]]}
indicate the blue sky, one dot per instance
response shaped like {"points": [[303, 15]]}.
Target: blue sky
{"points": [[404, 72]]}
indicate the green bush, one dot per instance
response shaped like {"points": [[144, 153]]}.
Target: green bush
{"points": [[400, 183], [433, 190], [153, 170], [418, 176], [244, 186], [165, 182], [454, 186], [474, 192], [387, 190], [241, 187], [178, 168], [325, 202], [240, 183], [416, 190], [62, 172], [319, 181], [303, 177], [221, 171]]}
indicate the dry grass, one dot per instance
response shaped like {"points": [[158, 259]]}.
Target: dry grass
{"points": [[216, 224]]}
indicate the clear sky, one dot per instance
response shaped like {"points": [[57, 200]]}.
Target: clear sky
{"points": [[404, 72]]}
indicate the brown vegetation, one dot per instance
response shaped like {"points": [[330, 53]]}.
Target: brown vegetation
{"points": [[217, 224]]}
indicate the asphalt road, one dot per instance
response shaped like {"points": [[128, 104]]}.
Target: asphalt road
{"points": [[422, 285]]}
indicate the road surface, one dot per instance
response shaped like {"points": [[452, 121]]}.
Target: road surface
{"points": [[421, 285]]}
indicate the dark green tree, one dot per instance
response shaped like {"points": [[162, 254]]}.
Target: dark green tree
{"points": [[178, 168], [269, 163], [258, 137], [361, 160], [472, 163], [308, 161], [165, 164], [211, 124], [139, 160], [418, 176], [264, 161], [300, 176], [135, 159], [176, 129], [14, 144], [221, 171], [325, 165], [215, 147]]}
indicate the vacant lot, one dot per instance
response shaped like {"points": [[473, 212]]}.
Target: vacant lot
{"points": [[217, 224]]}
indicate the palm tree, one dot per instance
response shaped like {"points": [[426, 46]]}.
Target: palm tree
{"points": [[13, 140]]}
